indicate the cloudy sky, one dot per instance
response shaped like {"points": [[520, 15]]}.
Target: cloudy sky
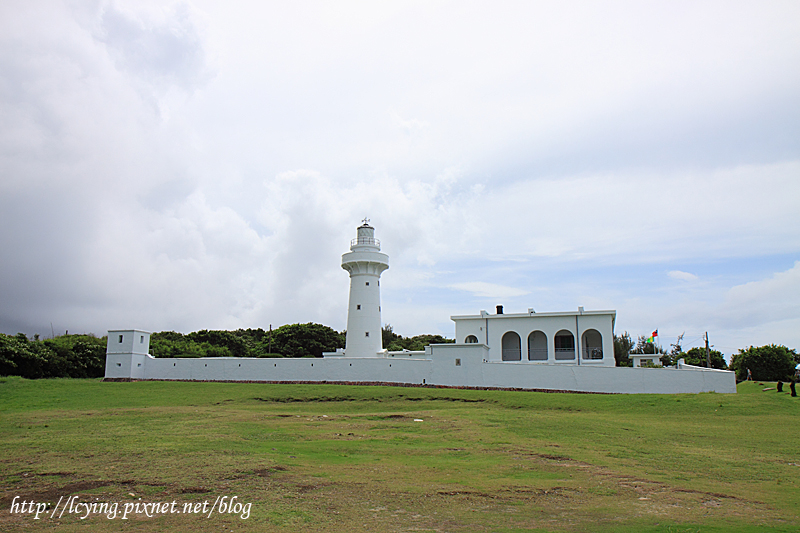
{"points": [[203, 165]]}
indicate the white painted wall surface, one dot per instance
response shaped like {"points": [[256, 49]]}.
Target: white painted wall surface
{"points": [[126, 365], [128, 341], [439, 368], [415, 371]]}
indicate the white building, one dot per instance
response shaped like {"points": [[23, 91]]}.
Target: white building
{"points": [[564, 351], [127, 350], [543, 338]]}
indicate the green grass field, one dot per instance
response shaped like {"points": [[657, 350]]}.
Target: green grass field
{"points": [[339, 458]]}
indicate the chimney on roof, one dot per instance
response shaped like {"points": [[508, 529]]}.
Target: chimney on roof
{"points": [[499, 309]]}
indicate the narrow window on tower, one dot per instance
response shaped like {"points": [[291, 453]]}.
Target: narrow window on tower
{"points": [[120, 338], [368, 284], [358, 307], [366, 333]]}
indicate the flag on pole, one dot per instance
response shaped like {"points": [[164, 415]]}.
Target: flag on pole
{"points": [[653, 336]]}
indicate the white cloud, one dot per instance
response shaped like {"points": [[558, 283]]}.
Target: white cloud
{"points": [[412, 126], [683, 276], [482, 289], [768, 300]]}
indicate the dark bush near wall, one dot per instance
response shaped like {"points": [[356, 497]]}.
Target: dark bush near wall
{"points": [[171, 344], [305, 340], [766, 363], [697, 357], [67, 356], [394, 342]]}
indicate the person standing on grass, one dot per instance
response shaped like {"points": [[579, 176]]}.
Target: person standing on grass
{"points": [[749, 375]]}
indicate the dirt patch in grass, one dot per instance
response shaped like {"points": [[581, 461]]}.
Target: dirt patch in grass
{"points": [[52, 494], [267, 472], [195, 490]]}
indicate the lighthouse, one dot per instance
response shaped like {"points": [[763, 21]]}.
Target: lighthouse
{"points": [[365, 263]]}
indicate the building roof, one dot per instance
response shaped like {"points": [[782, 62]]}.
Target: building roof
{"points": [[484, 314], [531, 314]]}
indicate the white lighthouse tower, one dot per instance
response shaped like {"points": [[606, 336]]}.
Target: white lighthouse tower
{"points": [[365, 263]]}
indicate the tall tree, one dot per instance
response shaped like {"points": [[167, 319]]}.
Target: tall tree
{"points": [[677, 349], [390, 338], [623, 344], [697, 357]]}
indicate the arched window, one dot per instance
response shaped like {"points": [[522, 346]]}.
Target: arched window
{"points": [[565, 345], [471, 339], [537, 346], [511, 347], [592, 344]]}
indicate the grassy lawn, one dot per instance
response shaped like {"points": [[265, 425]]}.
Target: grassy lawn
{"points": [[338, 458]]}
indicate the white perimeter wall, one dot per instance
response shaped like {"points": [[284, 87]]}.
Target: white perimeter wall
{"points": [[474, 370]]}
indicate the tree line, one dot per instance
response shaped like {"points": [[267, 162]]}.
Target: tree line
{"points": [[765, 363], [291, 340]]}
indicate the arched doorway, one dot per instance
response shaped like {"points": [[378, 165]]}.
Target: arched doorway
{"points": [[511, 347], [471, 339], [565, 345], [592, 344], [537, 346]]}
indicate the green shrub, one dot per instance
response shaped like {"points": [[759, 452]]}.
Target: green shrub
{"points": [[766, 363]]}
